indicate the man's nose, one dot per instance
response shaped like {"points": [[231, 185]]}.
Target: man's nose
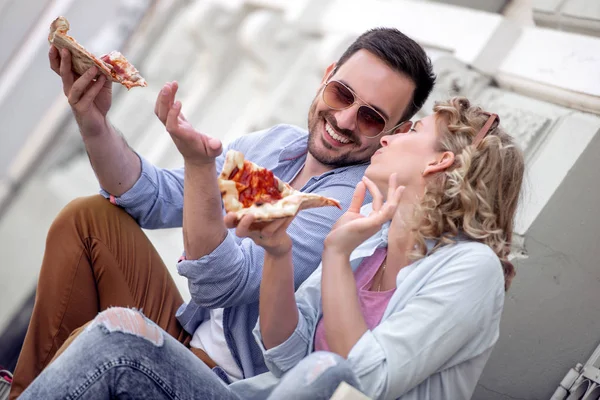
{"points": [[346, 119]]}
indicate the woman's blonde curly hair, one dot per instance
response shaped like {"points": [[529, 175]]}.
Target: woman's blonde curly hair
{"points": [[478, 195]]}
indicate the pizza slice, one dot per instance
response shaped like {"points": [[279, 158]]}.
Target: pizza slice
{"points": [[248, 189], [114, 65]]}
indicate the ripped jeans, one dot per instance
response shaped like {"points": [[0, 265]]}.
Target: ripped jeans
{"points": [[123, 355]]}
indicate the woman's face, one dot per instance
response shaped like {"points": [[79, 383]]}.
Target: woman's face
{"points": [[411, 155]]}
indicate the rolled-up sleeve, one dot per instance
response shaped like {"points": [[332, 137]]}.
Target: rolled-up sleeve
{"points": [[284, 357], [155, 201]]}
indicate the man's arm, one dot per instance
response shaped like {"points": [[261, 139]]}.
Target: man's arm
{"points": [[116, 166], [203, 226], [231, 274]]}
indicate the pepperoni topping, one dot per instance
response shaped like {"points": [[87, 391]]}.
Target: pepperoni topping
{"points": [[116, 65], [255, 186]]}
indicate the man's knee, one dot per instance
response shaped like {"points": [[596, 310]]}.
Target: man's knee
{"points": [[128, 321], [80, 210]]}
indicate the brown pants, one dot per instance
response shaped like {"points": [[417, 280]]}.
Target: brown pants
{"points": [[96, 257]]}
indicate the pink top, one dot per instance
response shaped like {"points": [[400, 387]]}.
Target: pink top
{"points": [[372, 304]]}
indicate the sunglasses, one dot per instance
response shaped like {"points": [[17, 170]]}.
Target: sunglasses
{"points": [[369, 121]]}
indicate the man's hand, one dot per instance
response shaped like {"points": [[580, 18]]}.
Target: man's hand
{"points": [[90, 98], [353, 228], [195, 147], [272, 236]]}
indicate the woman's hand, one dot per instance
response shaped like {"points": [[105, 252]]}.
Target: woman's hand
{"points": [[271, 236], [353, 228]]}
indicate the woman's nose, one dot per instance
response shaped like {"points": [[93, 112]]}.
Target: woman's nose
{"points": [[385, 140]]}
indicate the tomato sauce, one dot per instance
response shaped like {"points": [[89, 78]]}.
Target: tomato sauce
{"points": [[255, 187]]}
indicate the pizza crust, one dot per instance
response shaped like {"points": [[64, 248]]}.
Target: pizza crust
{"points": [[287, 206], [292, 200], [82, 60]]}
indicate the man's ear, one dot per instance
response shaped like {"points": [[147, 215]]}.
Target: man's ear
{"points": [[440, 163], [328, 73]]}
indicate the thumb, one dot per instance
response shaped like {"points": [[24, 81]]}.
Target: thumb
{"points": [[215, 147]]}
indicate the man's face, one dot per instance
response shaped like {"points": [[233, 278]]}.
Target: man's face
{"points": [[334, 137]]}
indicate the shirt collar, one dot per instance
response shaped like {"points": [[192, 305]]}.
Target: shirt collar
{"points": [[295, 149]]}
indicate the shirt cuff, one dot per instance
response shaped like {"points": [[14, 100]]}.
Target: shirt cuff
{"points": [[288, 354], [142, 188], [226, 254]]}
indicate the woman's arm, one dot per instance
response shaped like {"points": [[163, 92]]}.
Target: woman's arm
{"points": [[342, 315], [278, 310], [447, 326]]}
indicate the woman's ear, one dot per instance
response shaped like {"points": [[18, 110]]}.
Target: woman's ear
{"points": [[440, 164]]}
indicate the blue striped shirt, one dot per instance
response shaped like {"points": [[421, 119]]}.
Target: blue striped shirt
{"points": [[230, 276]]}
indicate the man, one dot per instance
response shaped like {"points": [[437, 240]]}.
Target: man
{"points": [[97, 256]]}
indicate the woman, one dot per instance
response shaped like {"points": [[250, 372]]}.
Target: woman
{"points": [[406, 304]]}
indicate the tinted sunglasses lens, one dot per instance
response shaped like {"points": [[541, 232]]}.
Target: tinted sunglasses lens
{"points": [[337, 95], [370, 123]]}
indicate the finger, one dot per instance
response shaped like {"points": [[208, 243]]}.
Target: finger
{"points": [[78, 89], [358, 197], [231, 220], [277, 226], [377, 196], [157, 102], [398, 194], [65, 70], [164, 102], [214, 147], [172, 120], [392, 186], [108, 83], [243, 228], [54, 58], [391, 205], [174, 87], [90, 95]]}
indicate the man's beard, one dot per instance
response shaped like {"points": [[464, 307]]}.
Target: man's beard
{"points": [[337, 160]]}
